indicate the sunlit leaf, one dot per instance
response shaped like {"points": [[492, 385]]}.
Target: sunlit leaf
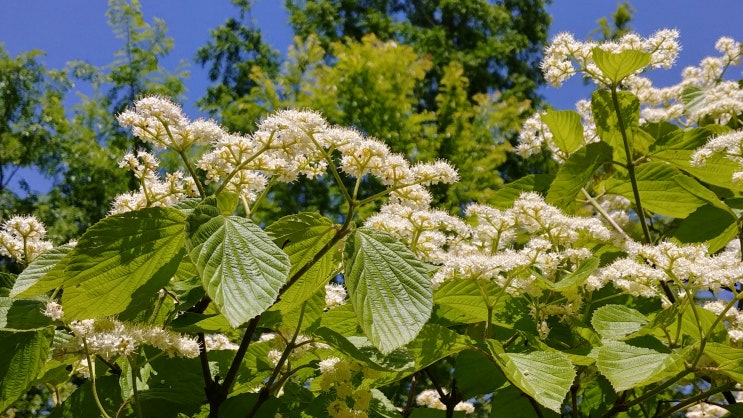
{"points": [[241, 269], [546, 376], [627, 366], [617, 321], [122, 259], [617, 66], [389, 288]]}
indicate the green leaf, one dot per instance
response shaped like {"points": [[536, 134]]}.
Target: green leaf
{"points": [[573, 279], [341, 319], [302, 236], [175, 385], [389, 288], [729, 360], [507, 194], [717, 171], [241, 269], [45, 273], [510, 402], [463, 301], [192, 322], [122, 259], [575, 172], [627, 366], [361, 350], [617, 66], [432, 344], [566, 128], [82, 402], [663, 190], [6, 283], [617, 321], [476, 374], [710, 225], [546, 376], [607, 121], [22, 358], [22, 315]]}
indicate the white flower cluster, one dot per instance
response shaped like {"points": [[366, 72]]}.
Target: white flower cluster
{"points": [[689, 266], [109, 337], [161, 122], [219, 342], [701, 94], [153, 190], [730, 145], [733, 317], [488, 248], [22, 238], [53, 310], [431, 399], [335, 295], [566, 56], [287, 144]]}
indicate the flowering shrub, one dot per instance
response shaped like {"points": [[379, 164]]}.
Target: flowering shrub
{"points": [[611, 287]]}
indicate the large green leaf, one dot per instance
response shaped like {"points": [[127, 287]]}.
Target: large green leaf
{"points": [[729, 359], [507, 194], [627, 366], [302, 236], [717, 171], [122, 259], [389, 288], [708, 224], [476, 374], [432, 344], [663, 190], [575, 172], [566, 128], [608, 124], [464, 301], [241, 268], [616, 66], [617, 321], [22, 357], [45, 273], [546, 376], [82, 402], [22, 315], [510, 402]]}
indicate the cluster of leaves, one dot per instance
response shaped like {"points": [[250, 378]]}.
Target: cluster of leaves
{"points": [[198, 268]]}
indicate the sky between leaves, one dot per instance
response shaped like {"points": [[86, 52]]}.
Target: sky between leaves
{"points": [[78, 30]]}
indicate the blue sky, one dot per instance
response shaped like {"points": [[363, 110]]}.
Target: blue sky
{"points": [[78, 30]]}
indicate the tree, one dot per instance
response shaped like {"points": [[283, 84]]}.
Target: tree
{"points": [[236, 47], [497, 43]]}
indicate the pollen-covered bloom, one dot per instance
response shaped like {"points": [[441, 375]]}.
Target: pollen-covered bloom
{"points": [[161, 122], [335, 295], [53, 310], [491, 249], [153, 190], [566, 56], [729, 145], [533, 135], [430, 398], [22, 238], [109, 337]]}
